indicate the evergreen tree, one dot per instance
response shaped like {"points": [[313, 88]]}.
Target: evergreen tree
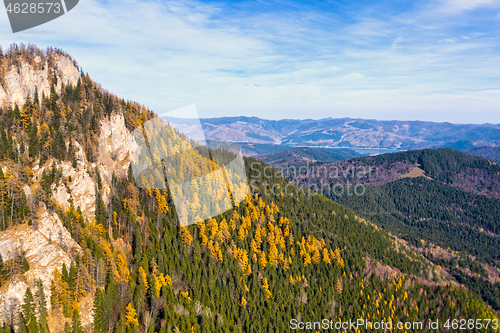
{"points": [[29, 312], [3, 272], [100, 207], [21, 324], [41, 305], [76, 326], [99, 320]]}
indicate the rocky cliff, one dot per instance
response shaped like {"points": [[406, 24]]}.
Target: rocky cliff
{"points": [[22, 81], [46, 247], [47, 244]]}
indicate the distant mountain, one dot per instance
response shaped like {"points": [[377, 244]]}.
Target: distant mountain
{"points": [[462, 145], [253, 149], [345, 132], [304, 155], [490, 153]]}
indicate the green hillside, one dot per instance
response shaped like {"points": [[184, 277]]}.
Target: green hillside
{"points": [[443, 198], [302, 156]]}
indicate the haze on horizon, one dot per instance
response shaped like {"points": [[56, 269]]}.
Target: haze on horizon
{"points": [[432, 60]]}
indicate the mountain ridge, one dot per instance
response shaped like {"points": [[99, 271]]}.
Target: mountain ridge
{"points": [[490, 153], [301, 156], [345, 132]]}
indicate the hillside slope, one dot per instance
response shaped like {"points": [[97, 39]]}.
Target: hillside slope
{"points": [[303, 156], [432, 198], [279, 255]]}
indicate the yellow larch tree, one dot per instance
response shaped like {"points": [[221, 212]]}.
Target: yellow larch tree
{"points": [[265, 287], [143, 278], [131, 319], [187, 239], [326, 257], [273, 255], [122, 273], [307, 259], [316, 257], [224, 231], [262, 260], [338, 286]]}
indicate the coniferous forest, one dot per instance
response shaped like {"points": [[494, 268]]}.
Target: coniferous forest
{"points": [[452, 203]]}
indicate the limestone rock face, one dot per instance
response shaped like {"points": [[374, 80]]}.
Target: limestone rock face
{"points": [[21, 82], [46, 247], [50, 245], [81, 188], [113, 151], [114, 146], [113, 157]]}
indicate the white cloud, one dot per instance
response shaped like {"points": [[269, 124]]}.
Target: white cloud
{"points": [[353, 76], [459, 6]]}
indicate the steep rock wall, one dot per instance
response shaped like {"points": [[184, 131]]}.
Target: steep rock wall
{"points": [[45, 247], [21, 82]]}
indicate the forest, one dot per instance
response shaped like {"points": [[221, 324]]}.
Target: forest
{"points": [[454, 205]]}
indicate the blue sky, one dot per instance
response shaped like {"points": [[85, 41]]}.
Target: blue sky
{"points": [[433, 60]]}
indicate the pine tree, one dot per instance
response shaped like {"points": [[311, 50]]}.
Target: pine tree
{"points": [[76, 326], [28, 309], [121, 327], [99, 320], [3, 272], [41, 305], [100, 206], [21, 323]]}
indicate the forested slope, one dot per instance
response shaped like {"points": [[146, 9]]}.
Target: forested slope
{"points": [[303, 156], [434, 197]]}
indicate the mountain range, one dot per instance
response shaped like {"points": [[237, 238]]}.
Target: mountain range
{"points": [[344, 133]]}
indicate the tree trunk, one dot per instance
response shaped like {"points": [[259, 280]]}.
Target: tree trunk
{"points": [[12, 210]]}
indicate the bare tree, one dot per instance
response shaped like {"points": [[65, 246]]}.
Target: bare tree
{"points": [[11, 310]]}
